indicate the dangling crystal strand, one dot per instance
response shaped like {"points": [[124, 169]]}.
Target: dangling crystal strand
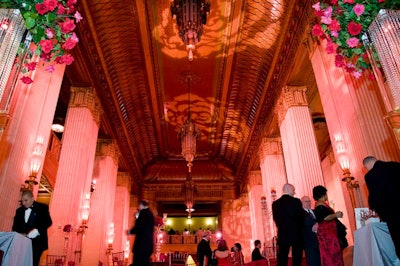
{"points": [[10, 39], [385, 36]]}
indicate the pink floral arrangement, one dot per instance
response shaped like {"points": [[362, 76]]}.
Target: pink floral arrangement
{"points": [[342, 23], [51, 24]]}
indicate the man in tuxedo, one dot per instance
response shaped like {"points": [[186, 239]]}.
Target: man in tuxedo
{"points": [[32, 220], [311, 247], [383, 182], [288, 214], [256, 253], [143, 229], [204, 249]]}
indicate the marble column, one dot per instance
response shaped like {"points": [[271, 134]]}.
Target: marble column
{"points": [[255, 188], [32, 110], [273, 174], [101, 215], [121, 210], [75, 170], [354, 114], [300, 150]]}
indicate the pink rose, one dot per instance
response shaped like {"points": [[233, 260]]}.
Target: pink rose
{"points": [[41, 8], [47, 46], [317, 30], [51, 4], [78, 16], [326, 20], [356, 74], [334, 33], [26, 80], [60, 9], [67, 26], [50, 69], [331, 47], [49, 33], [334, 26], [317, 7], [358, 9], [349, 1], [67, 59], [69, 43], [352, 42], [339, 61], [354, 28], [31, 66]]}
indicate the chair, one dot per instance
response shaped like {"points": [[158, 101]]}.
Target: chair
{"points": [[118, 258], [177, 258], [55, 260]]}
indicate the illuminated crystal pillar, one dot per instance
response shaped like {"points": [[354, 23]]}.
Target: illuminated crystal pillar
{"points": [[101, 204], [300, 150], [255, 189], [121, 210], [75, 170], [32, 112], [273, 174]]}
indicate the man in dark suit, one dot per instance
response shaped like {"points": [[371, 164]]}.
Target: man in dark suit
{"points": [[383, 182], [204, 249], [256, 253], [288, 215], [311, 247], [143, 229], [32, 220]]}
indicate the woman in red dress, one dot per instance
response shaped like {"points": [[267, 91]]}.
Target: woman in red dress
{"points": [[237, 255], [328, 240], [223, 254]]}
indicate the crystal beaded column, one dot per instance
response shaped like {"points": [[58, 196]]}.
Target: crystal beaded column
{"points": [[300, 150], [384, 36], [75, 169], [101, 203]]}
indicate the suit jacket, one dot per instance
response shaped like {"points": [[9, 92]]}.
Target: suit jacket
{"points": [[203, 249], [310, 238], [39, 219], [256, 255], [143, 230], [288, 214], [383, 182]]}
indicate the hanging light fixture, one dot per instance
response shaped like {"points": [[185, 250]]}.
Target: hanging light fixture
{"points": [[190, 16], [189, 133]]}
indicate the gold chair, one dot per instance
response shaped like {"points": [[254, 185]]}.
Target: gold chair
{"points": [[55, 260]]}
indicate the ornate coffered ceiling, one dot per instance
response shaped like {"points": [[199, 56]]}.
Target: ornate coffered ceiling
{"points": [[131, 53]]}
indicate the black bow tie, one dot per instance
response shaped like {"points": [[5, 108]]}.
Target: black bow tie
{"points": [[28, 208]]}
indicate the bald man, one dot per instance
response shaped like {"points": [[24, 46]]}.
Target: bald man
{"points": [[32, 220], [288, 215], [311, 247], [383, 182]]}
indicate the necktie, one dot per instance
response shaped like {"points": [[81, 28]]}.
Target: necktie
{"points": [[311, 213]]}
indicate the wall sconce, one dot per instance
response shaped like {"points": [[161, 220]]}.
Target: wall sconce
{"points": [[110, 238], [85, 214], [126, 251], [35, 164], [343, 159]]}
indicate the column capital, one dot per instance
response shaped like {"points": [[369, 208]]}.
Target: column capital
{"points": [[270, 146], [86, 97], [107, 147], [254, 179], [290, 96]]}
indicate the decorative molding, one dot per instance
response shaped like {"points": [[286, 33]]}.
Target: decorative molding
{"points": [[86, 97], [108, 147], [270, 146], [124, 180], [254, 179]]}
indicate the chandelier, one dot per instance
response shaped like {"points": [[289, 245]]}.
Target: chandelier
{"points": [[189, 194], [190, 16], [188, 134]]}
